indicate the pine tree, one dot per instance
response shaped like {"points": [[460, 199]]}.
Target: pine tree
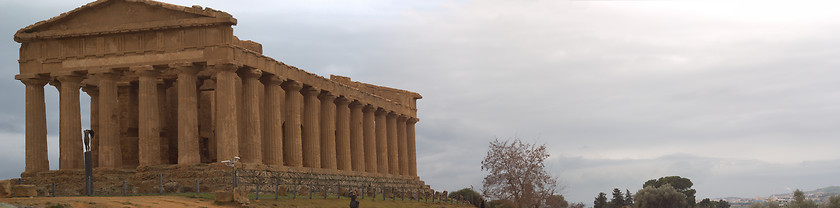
{"points": [[628, 199], [601, 200], [617, 199]]}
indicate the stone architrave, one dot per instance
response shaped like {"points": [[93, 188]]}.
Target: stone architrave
{"points": [[149, 116], [328, 152], [412, 147], [187, 113], [383, 164], [70, 128], [371, 165], [272, 144], [311, 137], [402, 145], [227, 130], [251, 143], [36, 126], [342, 128], [393, 156], [357, 137], [292, 144], [110, 155]]}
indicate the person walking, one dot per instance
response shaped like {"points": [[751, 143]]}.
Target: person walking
{"points": [[353, 202]]}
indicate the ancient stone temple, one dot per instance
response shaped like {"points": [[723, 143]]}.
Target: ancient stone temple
{"points": [[172, 86]]}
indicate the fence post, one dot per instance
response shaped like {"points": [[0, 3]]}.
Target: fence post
{"points": [[402, 195], [258, 191], [276, 190], [160, 183], [383, 192], [53, 190], [125, 186], [326, 189], [294, 192], [197, 188], [310, 190], [338, 191]]}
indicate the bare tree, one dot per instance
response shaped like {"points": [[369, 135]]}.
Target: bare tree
{"points": [[517, 173]]}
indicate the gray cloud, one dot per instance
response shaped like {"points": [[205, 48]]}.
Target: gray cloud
{"points": [[741, 100]]}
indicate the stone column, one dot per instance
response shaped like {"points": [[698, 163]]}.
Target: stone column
{"points": [[342, 129], [393, 146], [70, 123], [168, 127], [292, 147], [227, 129], [369, 131], [382, 162], [110, 155], [327, 130], [403, 145], [412, 148], [251, 145], [93, 92], [149, 126], [272, 143], [187, 113], [311, 128], [357, 142], [36, 126]]}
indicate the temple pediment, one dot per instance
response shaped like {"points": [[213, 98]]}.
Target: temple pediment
{"points": [[116, 16]]}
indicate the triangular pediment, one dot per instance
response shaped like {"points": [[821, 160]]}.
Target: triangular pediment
{"points": [[108, 16]]}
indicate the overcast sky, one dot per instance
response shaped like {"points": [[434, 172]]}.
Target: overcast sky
{"points": [[742, 97]]}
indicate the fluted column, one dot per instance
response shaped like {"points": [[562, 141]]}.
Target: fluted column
{"points": [[168, 126], [292, 146], [311, 128], [412, 147], [149, 118], [227, 129], [36, 126], [272, 143], [403, 145], [251, 146], [327, 130], [110, 155], [382, 141], [187, 113], [369, 132], [357, 142], [93, 93], [342, 129], [393, 146], [70, 123]]}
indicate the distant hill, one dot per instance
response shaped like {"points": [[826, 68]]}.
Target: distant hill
{"points": [[831, 190]]}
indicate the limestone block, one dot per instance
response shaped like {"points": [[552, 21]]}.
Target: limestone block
{"points": [[223, 196], [5, 189], [24, 191], [241, 196]]}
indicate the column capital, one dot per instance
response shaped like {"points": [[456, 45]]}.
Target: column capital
{"points": [[107, 75], [231, 67], [356, 104], [368, 108], [381, 111], [90, 89], [184, 68], [392, 114], [291, 85], [250, 73], [309, 90], [35, 81], [327, 96], [412, 120], [70, 78], [145, 71], [342, 101], [271, 79], [402, 118]]}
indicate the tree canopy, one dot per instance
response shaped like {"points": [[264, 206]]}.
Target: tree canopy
{"points": [[517, 173], [680, 184], [658, 197], [601, 200]]}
